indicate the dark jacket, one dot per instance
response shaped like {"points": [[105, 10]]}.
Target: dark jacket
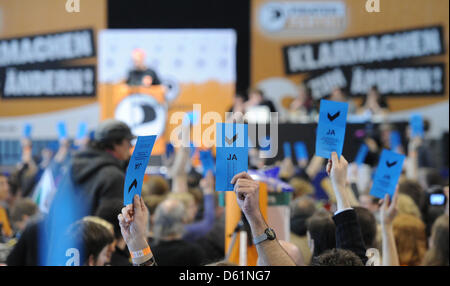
{"points": [[348, 233], [99, 176]]}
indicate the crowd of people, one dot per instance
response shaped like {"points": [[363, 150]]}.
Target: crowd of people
{"points": [[179, 221]]}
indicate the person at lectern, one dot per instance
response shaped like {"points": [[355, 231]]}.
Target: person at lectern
{"points": [[141, 74]]}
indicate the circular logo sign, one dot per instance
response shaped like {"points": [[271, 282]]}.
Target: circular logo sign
{"points": [[143, 114], [272, 17]]}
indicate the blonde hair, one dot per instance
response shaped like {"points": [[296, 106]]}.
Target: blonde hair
{"points": [[438, 254], [301, 187], [186, 198], [410, 238], [406, 205]]}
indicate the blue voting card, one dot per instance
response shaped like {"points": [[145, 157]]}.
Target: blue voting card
{"points": [[301, 151], [287, 150], [362, 154], [27, 130], [330, 133], [82, 130], [207, 161], [136, 168], [231, 153], [387, 174], [62, 131], [416, 123], [395, 139]]}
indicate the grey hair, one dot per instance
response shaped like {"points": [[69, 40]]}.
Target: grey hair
{"points": [[169, 219]]}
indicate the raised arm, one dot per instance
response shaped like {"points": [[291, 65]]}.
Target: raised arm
{"points": [[388, 213], [269, 251], [348, 231], [133, 223]]}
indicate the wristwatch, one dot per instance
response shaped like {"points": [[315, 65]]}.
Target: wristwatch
{"points": [[268, 234]]}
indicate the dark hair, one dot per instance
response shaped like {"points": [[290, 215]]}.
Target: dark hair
{"points": [[22, 207], [105, 145], [368, 225], [414, 190], [256, 90], [93, 238], [337, 257], [322, 230], [302, 209], [109, 210]]}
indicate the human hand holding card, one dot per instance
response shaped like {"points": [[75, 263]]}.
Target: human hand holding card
{"points": [[387, 174], [136, 168], [330, 132], [231, 153]]}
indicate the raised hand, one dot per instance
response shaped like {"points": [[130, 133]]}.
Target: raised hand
{"points": [[133, 223], [247, 193]]}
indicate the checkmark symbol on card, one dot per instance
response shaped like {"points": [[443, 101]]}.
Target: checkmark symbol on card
{"points": [[389, 164], [230, 141], [333, 117], [132, 184]]}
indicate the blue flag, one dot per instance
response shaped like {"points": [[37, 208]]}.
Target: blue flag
{"points": [[301, 151], [287, 150], [330, 133], [231, 153], [62, 131], [362, 154], [136, 168], [387, 174], [207, 161], [416, 123]]}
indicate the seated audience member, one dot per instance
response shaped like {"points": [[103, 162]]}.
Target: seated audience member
{"points": [[108, 211], [256, 98], [302, 105], [237, 111], [301, 209], [96, 238], [337, 257], [23, 210], [338, 94], [321, 232], [374, 103], [410, 238], [438, 252], [170, 249], [368, 226]]}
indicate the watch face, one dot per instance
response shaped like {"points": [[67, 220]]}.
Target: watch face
{"points": [[270, 234]]}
